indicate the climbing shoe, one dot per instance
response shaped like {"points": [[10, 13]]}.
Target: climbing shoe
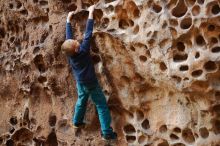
{"points": [[112, 136], [80, 125]]}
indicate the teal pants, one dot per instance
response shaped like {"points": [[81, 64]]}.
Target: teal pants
{"points": [[95, 92]]}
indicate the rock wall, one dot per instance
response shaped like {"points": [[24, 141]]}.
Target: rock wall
{"points": [[157, 60]]}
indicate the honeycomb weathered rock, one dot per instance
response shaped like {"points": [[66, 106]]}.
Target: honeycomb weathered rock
{"points": [[157, 60]]}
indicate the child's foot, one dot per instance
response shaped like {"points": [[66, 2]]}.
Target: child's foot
{"points": [[79, 126], [109, 137]]}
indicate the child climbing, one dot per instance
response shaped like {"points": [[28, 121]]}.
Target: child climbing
{"points": [[87, 83]]}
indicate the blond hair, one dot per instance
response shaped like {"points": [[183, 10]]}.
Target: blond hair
{"points": [[69, 47]]}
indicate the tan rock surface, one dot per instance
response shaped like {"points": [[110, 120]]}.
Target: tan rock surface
{"points": [[157, 60]]}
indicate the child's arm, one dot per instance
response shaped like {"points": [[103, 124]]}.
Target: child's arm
{"points": [[89, 29], [69, 33]]}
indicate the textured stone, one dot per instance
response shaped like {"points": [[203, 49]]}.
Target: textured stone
{"points": [[157, 61]]}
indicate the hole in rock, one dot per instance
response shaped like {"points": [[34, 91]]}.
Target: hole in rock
{"points": [[39, 63], [43, 3], [36, 50], [178, 144], [180, 10], [129, 129], [66, 1], [123, 24], [12, 39], [2, 32], [19, 4], [13, 120], [98, 14], [157, 8], [11, 130], [96, 59], [180, 57], [136, 29], [11, 6], [211, 27], [57, 90], [132, 7], [216, 109], [210, 66], [10, 142], [140, 115], [196, 10], [173, 22], [141, 139], [72, 7], [216, 49], [110, 8], [143, 58], [163, 129], [163, 66], [200, 1], [26, 115], [131, 23], [165, 143], [24, 12], [197, 55], [184, 67], [215, 9], [35, 1], [23, 134], [52, 120], [52, 139], [43, 37], [94, 47], [217, 95], [214, 40], [42, 79], [105, 22], [130, 139], [177, 78], [173, 137], [177, 130], [1, 140], [188, 136], [197, 73], [216, 126], [191, 2], [204, 132], [33, 121], [180, 46], [109, 1], [136, 13], [186, 23], [200, 40], [164, 25], [145, 124]]}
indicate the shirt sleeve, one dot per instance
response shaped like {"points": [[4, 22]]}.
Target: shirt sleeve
{"points": [[87, 36], [69, 33]]}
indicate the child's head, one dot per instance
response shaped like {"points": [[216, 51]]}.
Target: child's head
{"points": [[70, 47]]}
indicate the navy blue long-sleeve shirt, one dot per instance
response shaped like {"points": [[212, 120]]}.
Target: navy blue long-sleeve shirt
{"points": [[81, 63]]}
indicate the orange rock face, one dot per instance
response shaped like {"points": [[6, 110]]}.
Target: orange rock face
{"points": [[157, 61]]}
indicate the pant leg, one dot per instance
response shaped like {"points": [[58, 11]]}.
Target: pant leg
{"points": [[99, 99], [81, 104]]}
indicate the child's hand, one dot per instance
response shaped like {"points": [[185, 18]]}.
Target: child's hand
{"points": [[69, 16], [91, 8]]}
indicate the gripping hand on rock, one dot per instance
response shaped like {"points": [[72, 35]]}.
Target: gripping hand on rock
{"points": [[70, 14], [91, 10]]}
